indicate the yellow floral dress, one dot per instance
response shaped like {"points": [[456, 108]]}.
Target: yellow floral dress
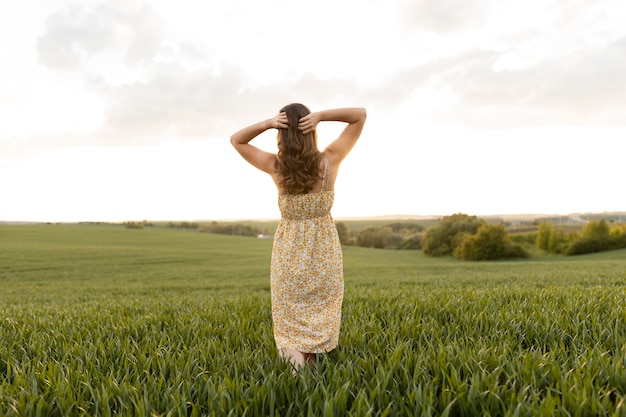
{"points": [[307, 273]]}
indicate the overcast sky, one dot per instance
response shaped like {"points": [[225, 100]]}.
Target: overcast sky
{"points": [[122, 110]]}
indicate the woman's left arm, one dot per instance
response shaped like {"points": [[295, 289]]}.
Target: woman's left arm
{"points": [[255, 156]]}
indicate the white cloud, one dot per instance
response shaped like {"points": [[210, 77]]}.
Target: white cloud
{"points": [[77, 33], [153, 85], [132, 72], [528, 63], [96, 77], [445, 16]]}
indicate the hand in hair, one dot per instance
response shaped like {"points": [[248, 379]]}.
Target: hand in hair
{"points": [[308, 123], [279, 121]]}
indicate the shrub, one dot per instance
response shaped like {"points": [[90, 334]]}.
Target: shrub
{"points": [[442, 239], [393, 241], [596, 229], [528, 238], [597, 236], [596, 244], [490, 242], [342, 231], [551, 239], [229, 229], [413, 242], [385, 238], [557, 243], [543, 235], [618, 229], [406, 227], [587, 245], [184, 225], [373, 237]]}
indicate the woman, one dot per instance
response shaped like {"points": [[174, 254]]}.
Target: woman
{"points": [[306, 269]]}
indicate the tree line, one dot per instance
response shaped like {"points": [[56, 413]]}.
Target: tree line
{"points": [[458, 235], [596, 236], [471, 238], [391, 236]]}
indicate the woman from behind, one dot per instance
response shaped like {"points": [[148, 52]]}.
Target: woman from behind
{"points": [[306, 273]]}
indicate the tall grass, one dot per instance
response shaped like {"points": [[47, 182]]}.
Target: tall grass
{"points": [[103, 320]]}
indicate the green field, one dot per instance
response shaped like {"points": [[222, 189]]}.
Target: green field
{"points": [[104, 320]]}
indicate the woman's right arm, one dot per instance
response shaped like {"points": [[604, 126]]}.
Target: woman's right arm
{"points": [[255, 156], [340, 147]]}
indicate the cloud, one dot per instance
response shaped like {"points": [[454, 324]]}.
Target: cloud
{"points": [[204, 103], [583, 87], [533, 64], [155, 85], [444, 16], [77, 34]]}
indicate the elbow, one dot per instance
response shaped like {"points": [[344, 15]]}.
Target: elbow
{"points": [[362, 115]]}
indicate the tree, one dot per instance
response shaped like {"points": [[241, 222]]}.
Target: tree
{"points": [[550, 238], [557, 242], [394, 241], [543, 235], [596, 237], [413, 242], [406, 228], [596, 229], [373, 237], [491, 241], [618, 229], [442, 239], [342, 231]]}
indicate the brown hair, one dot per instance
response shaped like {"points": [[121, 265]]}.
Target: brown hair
{"points": [[298, 157]]}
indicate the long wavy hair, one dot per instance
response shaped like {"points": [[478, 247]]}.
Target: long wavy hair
{"points": [[298, 157]]}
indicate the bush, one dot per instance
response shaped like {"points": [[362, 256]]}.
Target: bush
{"points": [[618, 229], [587, 245], [551, 239], [393, 241], [373, 237], [596, 229], [442, 239], [543, 235], [528, 238], [413, 242], [596, 244], [184, 225], [342, 231], [236, 229], [597, 236], [135, 225], [406, 227], [490, 242]]}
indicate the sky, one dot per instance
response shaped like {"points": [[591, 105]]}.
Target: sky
{"points": [[122, 110]]}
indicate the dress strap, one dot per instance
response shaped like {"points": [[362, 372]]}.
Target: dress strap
{"points": [[325, 177]]}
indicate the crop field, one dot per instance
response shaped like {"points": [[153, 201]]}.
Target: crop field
{"points": [[104, 320]]}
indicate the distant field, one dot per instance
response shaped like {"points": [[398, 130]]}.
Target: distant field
{"points": [[103, 320], [269, 226]]}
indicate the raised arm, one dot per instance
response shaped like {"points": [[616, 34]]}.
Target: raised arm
{"points": [[340, 147], [255, 156]]}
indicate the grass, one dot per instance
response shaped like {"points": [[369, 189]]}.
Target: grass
{"points": [[103, 320]]}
